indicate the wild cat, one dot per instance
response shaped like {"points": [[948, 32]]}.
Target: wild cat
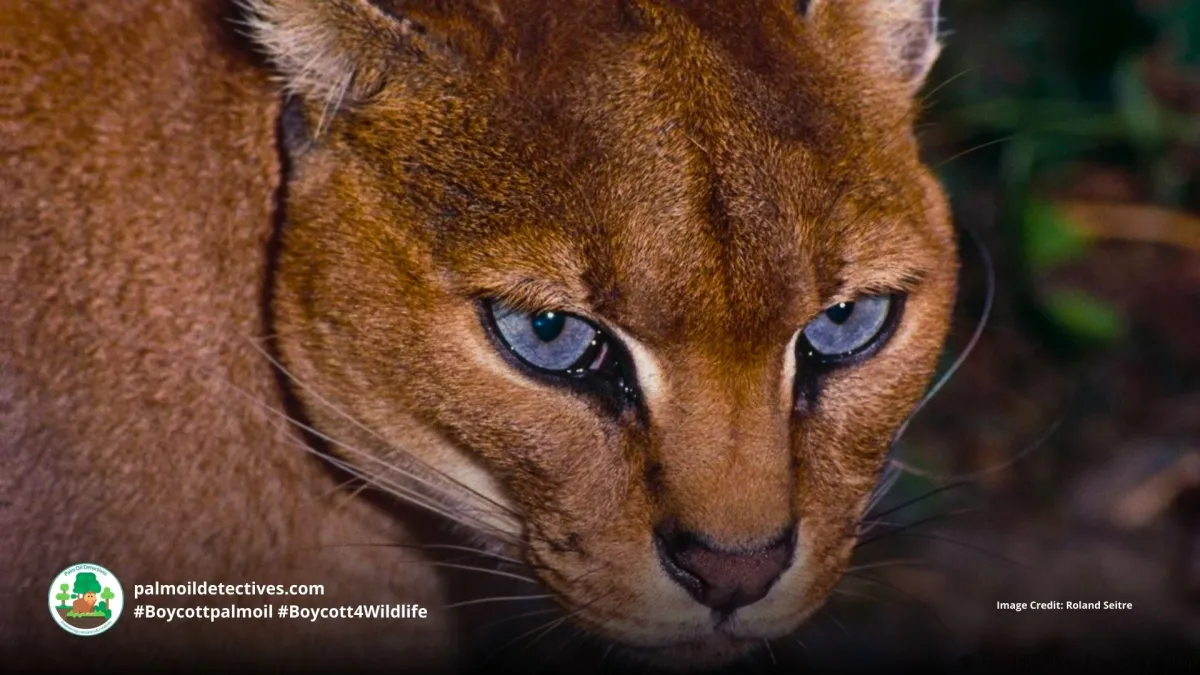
{"points": [[633, 293]]}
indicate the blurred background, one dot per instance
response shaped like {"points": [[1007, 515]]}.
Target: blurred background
{"points": [[1061, 462]]}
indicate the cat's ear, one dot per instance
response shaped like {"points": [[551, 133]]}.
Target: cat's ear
{"points": [[333, 51], [895, 41]]}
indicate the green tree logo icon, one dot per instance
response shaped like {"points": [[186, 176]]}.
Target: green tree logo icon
{"points": [[85, 599], [105, 596], [64, 594], [86, 582]]}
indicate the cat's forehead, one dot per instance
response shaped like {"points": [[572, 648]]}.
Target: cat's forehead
{"points": [[735, 243], [674, 232], [678, 184], [708, 230]]}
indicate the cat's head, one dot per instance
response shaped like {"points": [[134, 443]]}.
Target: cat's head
{"points": [[646, 285]]}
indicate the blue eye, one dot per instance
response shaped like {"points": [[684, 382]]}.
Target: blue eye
{"points": [[848, 327], [549, 340]]}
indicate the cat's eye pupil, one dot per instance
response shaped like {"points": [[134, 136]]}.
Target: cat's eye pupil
{"points": [[560, 344], [847, 328], [548, 325], [840, 312]]}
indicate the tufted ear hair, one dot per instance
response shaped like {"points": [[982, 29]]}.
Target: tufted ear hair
{"points": [[333, 51], [894, 41]]}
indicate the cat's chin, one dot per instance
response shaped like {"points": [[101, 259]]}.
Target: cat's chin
{"points": [[709, 653]]}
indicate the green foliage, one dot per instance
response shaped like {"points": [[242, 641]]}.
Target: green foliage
{"points": [[1050, 239], [1180, 21], [86, 582], [1135, 104], [1083, 316], [1034, 98], [78, 615], [63, 595]]}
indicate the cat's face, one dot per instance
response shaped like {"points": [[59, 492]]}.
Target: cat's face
{"points": [[584, 275]]}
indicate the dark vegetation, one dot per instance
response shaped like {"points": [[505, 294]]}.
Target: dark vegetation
{"points": [[1067, 446]]}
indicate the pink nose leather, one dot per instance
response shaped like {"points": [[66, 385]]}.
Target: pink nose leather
{"points": [[723, 579]]}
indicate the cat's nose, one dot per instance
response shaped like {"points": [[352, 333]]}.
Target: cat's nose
{"points": [[724, 579]]}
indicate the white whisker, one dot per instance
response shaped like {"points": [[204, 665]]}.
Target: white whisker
{"points": [[388, 486], [374, 434], [975, 337], [502, 598]]}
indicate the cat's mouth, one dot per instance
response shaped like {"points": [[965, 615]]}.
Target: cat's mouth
{"points": [[715, 610], [698, 647]]}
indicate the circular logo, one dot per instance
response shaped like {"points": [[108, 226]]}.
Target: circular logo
{"points": [[86, 599]]}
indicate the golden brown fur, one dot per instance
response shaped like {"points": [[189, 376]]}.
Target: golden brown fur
{"points": [[702, 177]]}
